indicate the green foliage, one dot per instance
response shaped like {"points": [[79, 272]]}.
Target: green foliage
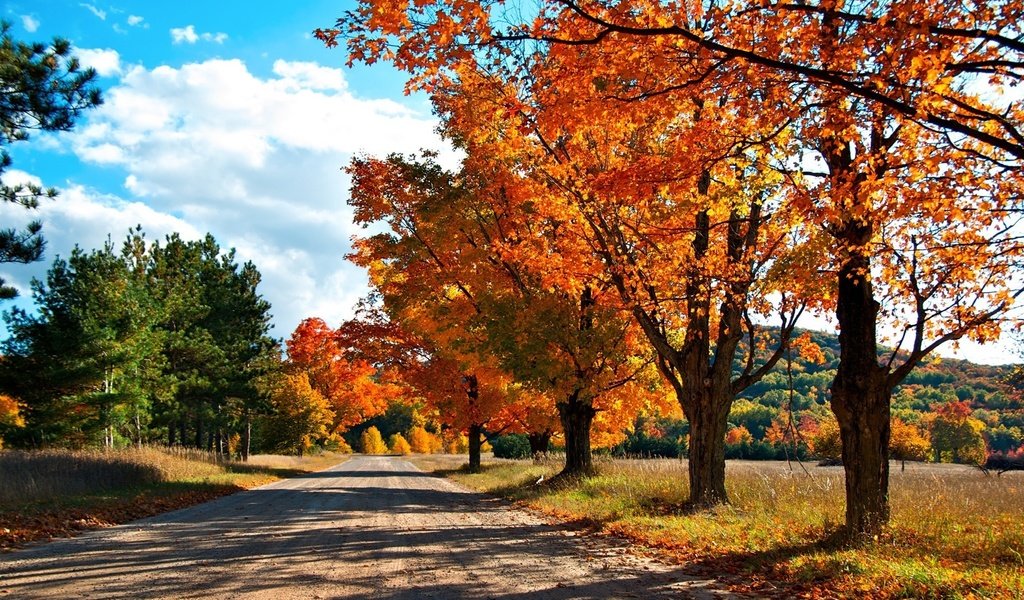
{"points": [[44, 89], [514, 445], [655, 438], [135, 346], [956, 436]]}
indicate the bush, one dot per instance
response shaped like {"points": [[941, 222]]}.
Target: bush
{"points": [[398, 445], [423, 442], [515, 445], [372, 443]]}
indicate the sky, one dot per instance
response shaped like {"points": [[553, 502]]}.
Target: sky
{"points": [[227, 117]]}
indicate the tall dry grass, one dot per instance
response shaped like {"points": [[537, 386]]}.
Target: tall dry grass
{"points": [[34, 476], [955, 531]]}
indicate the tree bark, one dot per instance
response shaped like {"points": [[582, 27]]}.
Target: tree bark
{"points": [[577, 415], [706, 456], [475, 443], [861, 401]]}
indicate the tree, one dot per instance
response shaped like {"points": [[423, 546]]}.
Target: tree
{"points": [[397, 444], [916, 195], [142, 343], [44, 89], [957, 436], [908, 442], [351, 385], [372, 443], [300, 416]]}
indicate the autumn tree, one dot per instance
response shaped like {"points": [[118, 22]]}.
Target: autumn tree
{"points": [[908, 442], [371, 442], [301, 415], [956, 436], [44, 89], [568, 345], [914, 197], [351, 385]]}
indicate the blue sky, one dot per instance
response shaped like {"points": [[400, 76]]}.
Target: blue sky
{"points": [[220, 117], [227, 117]]}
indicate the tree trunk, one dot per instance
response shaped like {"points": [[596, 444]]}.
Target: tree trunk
{"points": [[539, 442], [706, 456], [170, 433], [861, 397], [577, 416], [475, 443], [199, 431], [246, 437]]}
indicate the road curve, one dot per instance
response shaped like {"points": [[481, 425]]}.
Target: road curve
{"points": [[372, 527]]}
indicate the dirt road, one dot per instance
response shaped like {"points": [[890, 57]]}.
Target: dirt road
{"points": [[372, 527]]}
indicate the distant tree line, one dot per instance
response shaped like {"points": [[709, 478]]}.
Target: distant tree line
{"points": [[158, 342]]}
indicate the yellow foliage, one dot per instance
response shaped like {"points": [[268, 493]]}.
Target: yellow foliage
{"points": [[826, 442], [398, 444], [422, 441], [10, 412], [371, 442]]}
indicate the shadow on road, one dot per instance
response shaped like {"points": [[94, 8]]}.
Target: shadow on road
{"points": [[335, 537]]}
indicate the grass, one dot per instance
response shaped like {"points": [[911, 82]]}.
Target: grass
{"points": [[59, 492], [955, 532]]}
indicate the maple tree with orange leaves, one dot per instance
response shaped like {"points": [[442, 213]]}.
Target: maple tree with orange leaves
{"points": [[903, 171]]}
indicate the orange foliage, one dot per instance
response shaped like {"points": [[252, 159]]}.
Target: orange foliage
{"points": [[738, 435], [351, 387]]}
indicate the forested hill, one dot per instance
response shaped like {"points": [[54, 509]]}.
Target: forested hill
{"points": [[934, 381]]}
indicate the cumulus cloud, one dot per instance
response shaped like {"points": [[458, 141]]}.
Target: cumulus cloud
{"points": [[188, 35], [254, 160], [106, 61], [30, 23], [137, 21], [100, 14]]}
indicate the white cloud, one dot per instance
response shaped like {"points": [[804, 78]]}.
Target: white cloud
{"points": [[255, 161], [137, 21], [30, 23], [106, 61], [100, 14], [188, 35], [184, 34]]}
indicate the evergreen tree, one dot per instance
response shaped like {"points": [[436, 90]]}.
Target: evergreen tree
{"points": [[44, 89]]}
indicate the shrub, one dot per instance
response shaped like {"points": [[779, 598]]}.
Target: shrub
{"points": [[515, 445], [398, 445], [372, 443], [423, 442]]}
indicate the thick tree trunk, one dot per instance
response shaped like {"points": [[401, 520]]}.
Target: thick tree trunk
{"points": [[170, 433], [861, 398], [475, 443], [539, 442], [577, 416], [706, 464]]}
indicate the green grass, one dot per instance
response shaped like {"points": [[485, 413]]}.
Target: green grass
{"points": [[955, 532]]}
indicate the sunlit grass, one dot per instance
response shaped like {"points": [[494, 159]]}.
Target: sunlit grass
{"points": [[58, 492], [955, 532]]}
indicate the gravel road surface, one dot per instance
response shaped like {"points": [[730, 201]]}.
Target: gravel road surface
{"points": [[372, 527]]}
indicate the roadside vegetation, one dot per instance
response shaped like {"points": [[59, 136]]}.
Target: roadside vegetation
{"points": [[53, 493], [955, 532]]}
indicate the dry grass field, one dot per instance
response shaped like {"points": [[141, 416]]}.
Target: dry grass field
{"points": [[53, 493], [956, 532]]}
